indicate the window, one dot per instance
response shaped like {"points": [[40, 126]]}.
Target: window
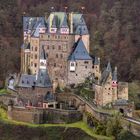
{"points": [[35, 65], [56, 55], [61, 55], [59, 47], [54, 64], [86, 62], [76, 74], [53, 47], [65, 47], [72, 64], [48, 47], [86, 67], [35, 48], [47, 55], [36, 56], [32, 56]]}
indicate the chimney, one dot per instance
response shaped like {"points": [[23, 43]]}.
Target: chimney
{"points": [[71, 22]]}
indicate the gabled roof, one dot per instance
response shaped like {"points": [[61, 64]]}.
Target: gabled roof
{"points": [[64, 22], [80, 52], [106, 74], [57, 19], [104, 77], [43, 79], [27, 80], [79, 24]]}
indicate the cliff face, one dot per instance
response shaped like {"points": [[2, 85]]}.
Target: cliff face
{"points": [[113, 24], [15, 132]]}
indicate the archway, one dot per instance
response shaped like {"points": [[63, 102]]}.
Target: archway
{"points": [[121, 111]]}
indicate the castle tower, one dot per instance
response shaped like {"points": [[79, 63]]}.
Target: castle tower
{"points": [[43, 60], [114, 84], [106, 83], [52, 21], [64, 29]]}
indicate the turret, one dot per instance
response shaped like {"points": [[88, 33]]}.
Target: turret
{"points": [[109, 68], [114, 78], [43, 59], [64, 29], [114, 85], [52, 28]]}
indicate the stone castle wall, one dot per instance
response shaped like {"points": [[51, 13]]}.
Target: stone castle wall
{"points": [[39, 115], [30, 93]]}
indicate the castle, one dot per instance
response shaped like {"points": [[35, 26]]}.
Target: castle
{"points": [[55, 53]]}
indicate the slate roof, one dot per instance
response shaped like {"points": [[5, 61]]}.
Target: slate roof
{"points": [[43, 80], [121, 102], [79, 24], [114, 76], [31, 23], [109, 69], [105, 74], [36, 32], [27, 80], [104, 77], [56, 19], [80, 52], [42, 53], [96, 61], [25, 46]]}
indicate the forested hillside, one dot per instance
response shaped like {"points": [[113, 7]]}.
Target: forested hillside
{"points": [[113, 24]]}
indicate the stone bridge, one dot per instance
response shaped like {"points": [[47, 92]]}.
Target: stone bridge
{"points": [[84, 106]]}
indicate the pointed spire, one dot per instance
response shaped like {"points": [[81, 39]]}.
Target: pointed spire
{"points": [[114, 77], [42, 54], [97, 61], [64, 22], [109, 67]]}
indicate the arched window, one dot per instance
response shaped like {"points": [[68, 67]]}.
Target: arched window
{"points": [[35, 48]]}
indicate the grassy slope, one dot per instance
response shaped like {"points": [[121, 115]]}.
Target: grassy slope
{"points": [[81, 125]]}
